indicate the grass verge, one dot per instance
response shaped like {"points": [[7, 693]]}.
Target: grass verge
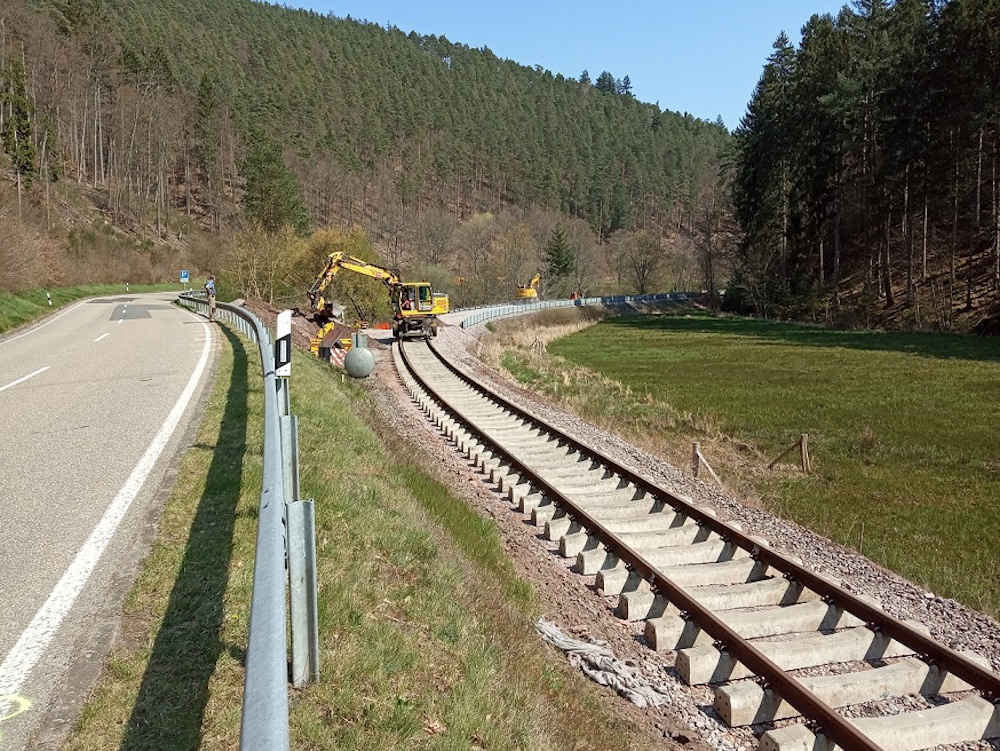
{"points": [[19, 308], [901, 426], [426, 632]]}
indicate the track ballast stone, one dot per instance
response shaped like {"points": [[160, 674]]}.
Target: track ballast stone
{"points": [[637, 459]]}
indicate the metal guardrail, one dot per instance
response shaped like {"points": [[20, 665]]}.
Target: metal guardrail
{"points": [[284, 527], [488, 313]]}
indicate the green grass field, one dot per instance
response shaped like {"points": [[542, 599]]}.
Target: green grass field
{"points": [[19, 308], [903, 428], [426, 630]]}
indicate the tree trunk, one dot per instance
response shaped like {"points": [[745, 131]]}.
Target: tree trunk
{"points": [[784, 228], [908, 236], [923, 275], [836, 251], [187, 178], [954, 236], [43, 168], [996, 215], [81, 175], [886, 270], [100, 138], [979, 179], [821, 263], [96, 164]]}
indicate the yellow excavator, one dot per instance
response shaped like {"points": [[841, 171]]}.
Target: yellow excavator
{"points": [[415, 306], [529, 291]]}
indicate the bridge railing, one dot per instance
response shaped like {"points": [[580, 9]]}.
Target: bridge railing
{"points": [[284, 527]]}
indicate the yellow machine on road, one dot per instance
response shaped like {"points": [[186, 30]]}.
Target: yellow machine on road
{"points": [[415, 307], [529, 291]]}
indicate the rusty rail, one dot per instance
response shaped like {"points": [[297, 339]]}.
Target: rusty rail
{"points": [[831, 724]]}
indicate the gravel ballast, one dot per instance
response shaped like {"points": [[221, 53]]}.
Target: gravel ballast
{"points": [[571, 601]]}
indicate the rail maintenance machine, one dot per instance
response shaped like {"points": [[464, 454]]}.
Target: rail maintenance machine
{"points": [[415, 306]]}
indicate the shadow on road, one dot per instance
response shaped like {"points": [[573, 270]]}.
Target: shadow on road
{"points": [[174, 691]]}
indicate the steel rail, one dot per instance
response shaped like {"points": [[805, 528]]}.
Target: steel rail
{"points": [[835, 727], [264, 723], [930, 650]]}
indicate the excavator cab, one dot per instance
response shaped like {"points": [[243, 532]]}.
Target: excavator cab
{"points": [[418, 299], [415, 298], [415, 309]]}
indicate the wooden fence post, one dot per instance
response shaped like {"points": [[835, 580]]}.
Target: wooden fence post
{"points": [[804, 444], [695, 458]]}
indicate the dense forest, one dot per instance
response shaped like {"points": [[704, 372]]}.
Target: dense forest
{"points": [[866, 167], [189, 116]]}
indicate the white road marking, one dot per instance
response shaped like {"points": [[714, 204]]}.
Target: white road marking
{"points": [[24, 378], [120, 320], [42, 325], [101, 337], [34, 640]]}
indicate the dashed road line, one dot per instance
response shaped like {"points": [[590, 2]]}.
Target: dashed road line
{"points": [[101, 337], [22, 379]]}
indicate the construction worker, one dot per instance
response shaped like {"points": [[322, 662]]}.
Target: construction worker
{"points": [[210, 291]]}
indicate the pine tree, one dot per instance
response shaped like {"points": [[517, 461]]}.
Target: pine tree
{"points": [[606, 83], [272, 196], [559, 256]]}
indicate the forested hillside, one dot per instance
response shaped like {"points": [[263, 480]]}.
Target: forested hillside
{"points": [[867, 166], [234, 111]]}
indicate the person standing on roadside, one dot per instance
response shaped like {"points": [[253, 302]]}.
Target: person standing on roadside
{"points": [[210, 291]]}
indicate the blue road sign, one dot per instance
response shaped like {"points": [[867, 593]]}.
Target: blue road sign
{"points": [[185, 276]]}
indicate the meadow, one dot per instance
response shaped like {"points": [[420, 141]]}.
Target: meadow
{"points": [[902, 426]]}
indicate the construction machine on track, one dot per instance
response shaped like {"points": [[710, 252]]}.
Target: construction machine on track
{"points": [[415, 306], [529, 291]]}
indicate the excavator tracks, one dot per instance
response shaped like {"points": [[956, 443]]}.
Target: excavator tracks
{"points": [[775, 640]]}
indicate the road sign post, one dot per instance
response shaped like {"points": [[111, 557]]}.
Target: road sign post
{"points": [[185, 277]]}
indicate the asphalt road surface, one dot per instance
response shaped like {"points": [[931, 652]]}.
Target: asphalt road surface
{"points": [[94, 402]]}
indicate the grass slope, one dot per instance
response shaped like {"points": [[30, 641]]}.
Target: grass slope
{"points": [[902, 427], [19, 308], [426, 631]]}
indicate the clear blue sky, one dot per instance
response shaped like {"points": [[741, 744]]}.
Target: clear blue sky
{"points": [[702, 57]]}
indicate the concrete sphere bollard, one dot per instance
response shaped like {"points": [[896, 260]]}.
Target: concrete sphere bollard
{"points": [[359, 363]]}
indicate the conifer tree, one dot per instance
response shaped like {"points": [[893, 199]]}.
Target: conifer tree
{"points": [[559, 256], [272, 195]]}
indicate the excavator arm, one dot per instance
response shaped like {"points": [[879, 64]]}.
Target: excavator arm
{"points": [[337, 261], [529, 291]]}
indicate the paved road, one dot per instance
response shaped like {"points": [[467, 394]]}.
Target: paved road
{"points": [[93, 404]]}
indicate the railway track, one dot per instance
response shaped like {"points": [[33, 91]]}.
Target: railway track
{"points": [[741, 616]]}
